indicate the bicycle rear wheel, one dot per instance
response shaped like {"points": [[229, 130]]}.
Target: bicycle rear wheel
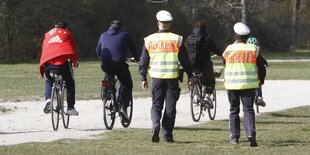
{"points": [[64, 107], [108, 109], [212, 110], [129, 114], [55, 108], [196, 108]]}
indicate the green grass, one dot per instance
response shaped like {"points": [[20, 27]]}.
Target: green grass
{"points": [[298, 54], [284, 132], [22, 81], [288, 71]]}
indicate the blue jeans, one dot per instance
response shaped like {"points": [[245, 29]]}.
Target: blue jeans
{"points": [[65, 71]]}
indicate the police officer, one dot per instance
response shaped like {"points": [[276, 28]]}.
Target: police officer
{"points": [[243, 64], [160, 56]]}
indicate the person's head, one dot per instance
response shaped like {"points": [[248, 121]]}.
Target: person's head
{"points": [[117, 24], [201, 24], [241, 32], [164, 19], [60, 24], [253, 40]]}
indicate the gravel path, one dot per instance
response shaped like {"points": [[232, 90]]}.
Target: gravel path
{"points": [[27, 122]]}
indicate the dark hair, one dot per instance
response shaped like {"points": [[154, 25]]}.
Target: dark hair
{"points": [[241, 38], [60, 24], [116, 23], [201, 24]]}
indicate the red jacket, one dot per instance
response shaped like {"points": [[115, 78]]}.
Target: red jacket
{"points": [[57, 44]]}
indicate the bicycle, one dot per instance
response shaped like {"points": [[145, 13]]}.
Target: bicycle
{"points": [[198, 104], [112, 105], [58, 100]]}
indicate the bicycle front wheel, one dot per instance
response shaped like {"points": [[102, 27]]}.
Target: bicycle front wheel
{"points": [[109, 110], [212, 110], [196, 108], [55, 108], [64, 107], [129, 114]]}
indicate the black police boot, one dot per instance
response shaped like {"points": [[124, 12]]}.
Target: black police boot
{"points": [[155, 134]]}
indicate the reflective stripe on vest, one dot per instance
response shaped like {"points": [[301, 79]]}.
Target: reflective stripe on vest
{"points": [[240, 71], [163, 49]]}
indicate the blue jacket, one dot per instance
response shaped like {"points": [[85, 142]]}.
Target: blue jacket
{"points": [[113, 45]]}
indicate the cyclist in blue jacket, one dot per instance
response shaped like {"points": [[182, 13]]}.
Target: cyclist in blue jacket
{"points": [[112, 52]]}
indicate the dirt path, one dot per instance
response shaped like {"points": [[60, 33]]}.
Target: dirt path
{"points": [[27, 123]]}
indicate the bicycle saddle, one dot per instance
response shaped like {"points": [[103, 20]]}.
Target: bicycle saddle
{"points": [[55, 72]]}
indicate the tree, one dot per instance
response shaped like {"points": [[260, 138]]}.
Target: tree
{"points": [[295, 19], [244, 12]]}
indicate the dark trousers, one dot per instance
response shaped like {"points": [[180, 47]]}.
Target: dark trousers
{"points": [[123, 74], [66, 72], [207, 78], [168, 91], [247, 99], [259, 92]]}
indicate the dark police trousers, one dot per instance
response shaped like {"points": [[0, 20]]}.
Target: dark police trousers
{"points": [[168, 91], [247, 99], [66, 73]]}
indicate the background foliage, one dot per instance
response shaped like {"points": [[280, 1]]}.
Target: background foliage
{"points": [[24, 22]]}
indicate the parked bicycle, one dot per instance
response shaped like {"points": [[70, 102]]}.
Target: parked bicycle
{"points": [[59, 100], [111, 104], [198, 103]]}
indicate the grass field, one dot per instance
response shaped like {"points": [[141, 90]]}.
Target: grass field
{"points": [[284, 132], [22, 81]]}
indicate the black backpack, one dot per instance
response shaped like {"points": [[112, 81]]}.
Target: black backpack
{"points": [[193, 44]]}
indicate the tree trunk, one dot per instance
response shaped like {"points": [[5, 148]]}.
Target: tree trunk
{"points": [[10, 26], [244, 12], [295, 17]]}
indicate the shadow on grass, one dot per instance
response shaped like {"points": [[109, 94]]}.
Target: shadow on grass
{"points": [[199, 129], [277, 122], [288, 143], [288, 115]]}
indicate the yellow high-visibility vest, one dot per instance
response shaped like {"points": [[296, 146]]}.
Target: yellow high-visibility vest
{"points": [[241, 70], [163, 49]]}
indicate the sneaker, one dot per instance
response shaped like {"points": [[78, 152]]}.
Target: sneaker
{"points": [[260, 101], [123, 115], [72, 111], [155, 134], [208, 102], [252, 141], [47, 108], [234, 141], [195, 98]]}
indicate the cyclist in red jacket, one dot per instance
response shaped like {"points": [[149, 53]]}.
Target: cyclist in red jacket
{"points": [[58, 53]]}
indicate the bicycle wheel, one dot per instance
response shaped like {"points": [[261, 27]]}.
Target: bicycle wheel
{"points": [[129, 114], [54, 108], [64, 107], [212, 110], [196, 108], [108, 110]]}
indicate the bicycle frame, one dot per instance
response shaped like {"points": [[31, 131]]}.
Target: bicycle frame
{"points": [[111, 104], [58, 89]]}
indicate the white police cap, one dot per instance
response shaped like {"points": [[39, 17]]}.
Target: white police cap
{"points": [[164, 16], [241, 29]]}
